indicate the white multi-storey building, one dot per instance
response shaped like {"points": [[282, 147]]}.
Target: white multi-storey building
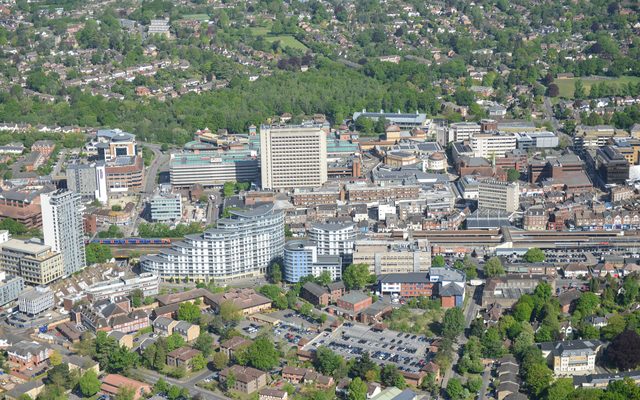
{"points": [[36, 300], [499, 195], [460, 131], [302, 259], [293, 156], [63, 228], [241, 246], [147, 282], [334, 239], [165, 207], [489, 145]]}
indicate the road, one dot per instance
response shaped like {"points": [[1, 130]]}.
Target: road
{"points": [[470, 313], [152, 377], [486, 377], [151, 173], [548, 113]]}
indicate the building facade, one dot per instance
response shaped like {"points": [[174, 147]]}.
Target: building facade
{"points": [[385, 257], [10, 288], [334, 239], [499, 195], [63, 227], [213, 168], [37, 264], [165, 207], [81, 178], [489, 145], [240, 246], [36, 300], [293, 156], [147, 282], [301, 259]]}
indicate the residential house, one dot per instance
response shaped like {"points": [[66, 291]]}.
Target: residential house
{"points": [[571, 357], [182, 357], [319, 295], [230, 346], [112, 383], [247, 379], [568, 299], [123, 339], [575, 270], [163, 326], [25, 354], [272, 394], [188, 331]]}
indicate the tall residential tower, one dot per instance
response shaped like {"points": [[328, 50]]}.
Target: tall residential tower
{"points": [[63, 229]]}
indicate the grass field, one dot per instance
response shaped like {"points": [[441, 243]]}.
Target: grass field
{"points": [[199, 17], [285, 40], [566, 86]]}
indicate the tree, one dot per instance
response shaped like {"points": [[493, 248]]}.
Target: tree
{"points": [[522, 311], [538, 377], [453, 322], [492, 343], [615, 326], [587, 304], [125, 393], [275, 273], [89, 383], [356, 276], [553, 90], [561, 389], [14, 227], [534, 255], [493, 267], [474, 383], [578, 90], [327, 361], [174, 341], [390, 376], [198, 362], [455, 390], [513, 175], [220, 360], [229, 312], [137, 296], [262, 354], [60, 376], [189, 312], [438, 261], [357, 389], [55, 358], [97, 253], [204, 343], [624, 351]]}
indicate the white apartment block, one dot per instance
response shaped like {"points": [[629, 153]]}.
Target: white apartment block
{"points": [[460, 131], [293, 156], [490, 145], [240, 247], [63, 228], [499, 195], [334, 239], [147, 282]]}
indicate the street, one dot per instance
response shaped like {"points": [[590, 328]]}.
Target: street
{"points": [[469, 314], [486, 378], [152, 377]]}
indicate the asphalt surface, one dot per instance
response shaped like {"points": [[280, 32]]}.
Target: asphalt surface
{"points": [[470, 312], [190, 384], [151, 173]]}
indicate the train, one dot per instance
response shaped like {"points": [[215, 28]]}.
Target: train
{"points": [[130, 241]]}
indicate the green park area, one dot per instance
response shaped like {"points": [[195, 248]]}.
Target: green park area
{"points": [[285, 40], [566, 86]]}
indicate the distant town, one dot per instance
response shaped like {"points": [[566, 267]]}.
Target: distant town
{"points": [[317, 200]]}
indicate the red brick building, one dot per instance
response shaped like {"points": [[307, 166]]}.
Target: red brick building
{"points": [[354, 302]]}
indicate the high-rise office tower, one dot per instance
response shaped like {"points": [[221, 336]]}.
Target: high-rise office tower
{"points": [[62, 227], [293, 156]]}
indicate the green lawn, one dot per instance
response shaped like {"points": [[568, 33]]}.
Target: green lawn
{"points": [[260, 30], [199, 17], [566, 86], [287, 41]]}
